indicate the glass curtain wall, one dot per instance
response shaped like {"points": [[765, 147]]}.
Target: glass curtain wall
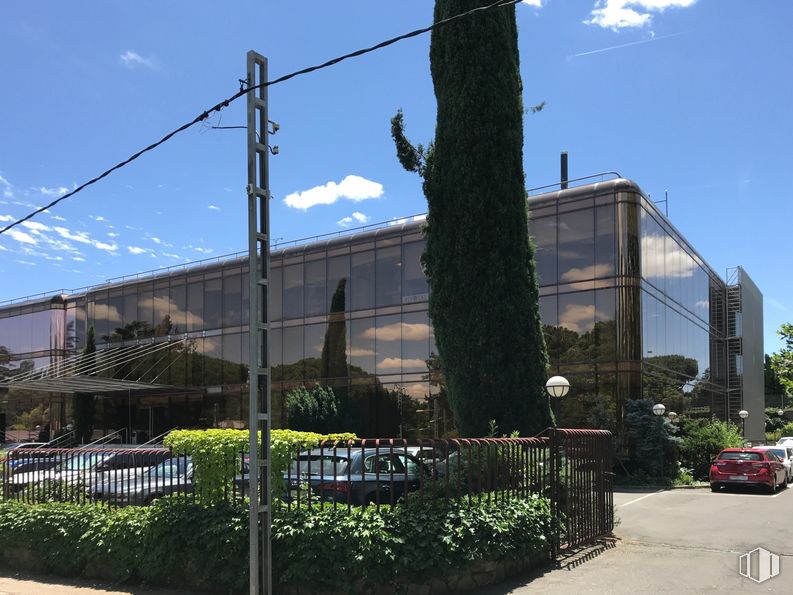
{"points": [[681, 330]]}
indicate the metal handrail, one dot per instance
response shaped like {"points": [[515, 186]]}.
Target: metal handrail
{"points": [[156, 439], [62, 437], [106, 438]]}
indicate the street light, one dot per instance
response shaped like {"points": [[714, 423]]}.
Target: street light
{"points": [[557, 386], [658, 411], [743, 414], [672, 416], [780, 413]]}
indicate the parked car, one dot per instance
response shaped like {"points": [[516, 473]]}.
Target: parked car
{"points": [[174, 476], [747, 466], [367, 476], [785, 440], [785, 454], [21, 457], [92, 468]]}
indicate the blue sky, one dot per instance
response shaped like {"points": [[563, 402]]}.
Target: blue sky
{"points": [[689, 96]]}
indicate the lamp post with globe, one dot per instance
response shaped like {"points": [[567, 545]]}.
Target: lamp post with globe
{"points": [[557, 387], [743, 414], [658, 411]]}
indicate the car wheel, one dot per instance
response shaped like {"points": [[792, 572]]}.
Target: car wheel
{"points": [[714, 487], [771, 489]]}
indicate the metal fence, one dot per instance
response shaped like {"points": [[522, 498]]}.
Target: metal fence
{"points": [[107, 476], [572, 468]]}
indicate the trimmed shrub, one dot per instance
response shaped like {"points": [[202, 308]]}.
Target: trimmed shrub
{"points": [[216, 455], [702, 440]]}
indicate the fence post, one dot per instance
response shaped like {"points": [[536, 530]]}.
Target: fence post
{"points": [[555, 464]]}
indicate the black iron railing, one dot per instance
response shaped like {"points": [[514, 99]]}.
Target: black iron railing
{"points": [[572, 468]]}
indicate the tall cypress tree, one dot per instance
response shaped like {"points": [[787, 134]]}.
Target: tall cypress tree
{"points": [[84, 403], [334, 349], [479, 258]]}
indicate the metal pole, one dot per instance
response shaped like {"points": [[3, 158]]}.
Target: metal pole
{"points": [[258, 191]]}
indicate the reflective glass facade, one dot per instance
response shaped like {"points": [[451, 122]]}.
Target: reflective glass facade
{"points": [[629, 310]]}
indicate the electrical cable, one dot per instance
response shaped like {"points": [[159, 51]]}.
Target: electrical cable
{"points": [[244, 91]]}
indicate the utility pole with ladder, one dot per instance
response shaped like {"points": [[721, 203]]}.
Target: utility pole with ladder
{"points": [[258, 190]]}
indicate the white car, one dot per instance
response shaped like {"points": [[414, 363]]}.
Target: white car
{"points": [[785, 454], [785, 440]]}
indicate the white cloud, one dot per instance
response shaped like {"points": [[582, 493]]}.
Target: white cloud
{"points": [[399, 331], [665, 259], [213, 208], [22, 237], [78, 258], [106, 247], [35, 226], [132, 60], [3, 248], [137, 250], [354, 188], [360, 217], [537, 3], [6, 218], [620, 14], [26, 262], [113, 234], [53, 192], [344, 221], [6, 187], [58, 218], [588, 272], [397, 363], [78, 236], [98, 218]]}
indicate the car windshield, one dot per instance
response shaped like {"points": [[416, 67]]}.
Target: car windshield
{"points": [[740, 456], [171, 468], [314, 464], [780, 452], [78, 462]]}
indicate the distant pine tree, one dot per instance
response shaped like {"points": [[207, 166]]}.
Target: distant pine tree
{"points": [[84, 403]]}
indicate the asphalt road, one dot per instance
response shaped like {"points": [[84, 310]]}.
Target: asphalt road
{"points": [[678, 541]]}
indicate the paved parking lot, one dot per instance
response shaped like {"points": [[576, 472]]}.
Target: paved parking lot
{"points": [[679, 541]]}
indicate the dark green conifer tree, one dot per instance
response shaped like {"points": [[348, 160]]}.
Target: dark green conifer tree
{"points": [[84, 403], [479, 258]]}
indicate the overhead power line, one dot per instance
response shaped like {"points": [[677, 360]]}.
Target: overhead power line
{"points": [[244, 91]]}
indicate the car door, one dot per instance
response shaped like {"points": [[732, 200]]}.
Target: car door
{"points": [[384, 474]]}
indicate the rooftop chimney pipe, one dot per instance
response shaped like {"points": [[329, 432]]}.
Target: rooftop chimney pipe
{"points": [[563, 164]]}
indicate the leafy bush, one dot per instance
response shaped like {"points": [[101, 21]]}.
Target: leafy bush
{"points": [[173, 542], [54, 490], [176, 542], [216, 455], [315, 410], [423, 540], [702, 440], [787, 430], [653, 439]]}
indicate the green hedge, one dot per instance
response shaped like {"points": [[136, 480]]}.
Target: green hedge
{"points": [[336, 549], [216, 455], [179, 543], [171, 543]]}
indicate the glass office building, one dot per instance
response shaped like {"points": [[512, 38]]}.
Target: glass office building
{"points": [[629, 309]]}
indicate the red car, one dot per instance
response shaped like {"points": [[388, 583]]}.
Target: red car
{"points": [[744, 466]]}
